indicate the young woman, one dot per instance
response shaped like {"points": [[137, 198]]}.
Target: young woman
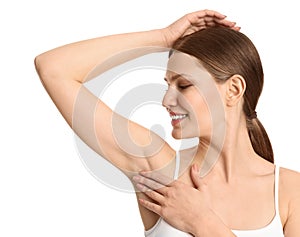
{"points": [[241, 193]]}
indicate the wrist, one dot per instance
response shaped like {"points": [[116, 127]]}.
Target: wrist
{"points": [[166, 37]]}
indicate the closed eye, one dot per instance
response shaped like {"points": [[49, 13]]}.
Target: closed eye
{"points": [[182, 87]]}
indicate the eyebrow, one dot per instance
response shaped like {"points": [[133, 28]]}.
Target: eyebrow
{"points": [[173, 78]]}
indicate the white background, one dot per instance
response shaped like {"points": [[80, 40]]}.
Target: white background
{"points": [[44, 188]]}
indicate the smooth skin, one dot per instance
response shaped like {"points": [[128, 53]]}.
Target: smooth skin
{"points": [[63, 71], [238, 193], [192, 203]]}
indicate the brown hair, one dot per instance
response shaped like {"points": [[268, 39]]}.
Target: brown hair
{"points": [[224, 53]]}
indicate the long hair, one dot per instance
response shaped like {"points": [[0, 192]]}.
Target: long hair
{"points": [[224, 53]]}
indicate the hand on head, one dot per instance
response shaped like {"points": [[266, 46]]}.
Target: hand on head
{"points": [[193, 22]]}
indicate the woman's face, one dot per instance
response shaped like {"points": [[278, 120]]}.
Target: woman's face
{"points": [[192, 99]]}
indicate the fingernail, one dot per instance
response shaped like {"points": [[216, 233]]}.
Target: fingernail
{"points": [[140, 186], [142, 172], [136, 178], [141, 200], [196, 168]]}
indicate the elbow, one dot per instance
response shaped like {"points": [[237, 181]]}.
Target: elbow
{"points": [[39, 67], [46, 67], [37, 64], [43, 66]]}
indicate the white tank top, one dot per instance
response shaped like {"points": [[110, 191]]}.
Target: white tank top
{"points": [[273, 229]]}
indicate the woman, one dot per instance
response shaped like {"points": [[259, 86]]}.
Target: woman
{"points": [[238, 192]]}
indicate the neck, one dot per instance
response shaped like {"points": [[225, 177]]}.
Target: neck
{"points": [[232, 159]]}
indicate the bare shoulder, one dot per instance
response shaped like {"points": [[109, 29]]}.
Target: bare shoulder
{"points": [[290, 182], [289, 197]]}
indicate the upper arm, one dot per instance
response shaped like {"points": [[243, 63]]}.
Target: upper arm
{"points": [[292, 191], [292, 226], [125, 144]]}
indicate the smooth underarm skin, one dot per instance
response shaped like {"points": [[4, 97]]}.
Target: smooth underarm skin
{"points": [[84, 120], [64, 70]]}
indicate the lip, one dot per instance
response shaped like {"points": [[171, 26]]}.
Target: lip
{"points": [[172, 113], [176, 121]]}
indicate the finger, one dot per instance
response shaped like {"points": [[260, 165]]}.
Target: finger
{"points": [[150, 183], [154, 195], [200, 16], [225, 23], [206, 19], [151, 206], [158, 177], [237, 28], [211, 20], [214, 14], [207, 12], [195, 176]]}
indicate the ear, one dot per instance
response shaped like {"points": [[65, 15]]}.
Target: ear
{"points": [[236, 86]]}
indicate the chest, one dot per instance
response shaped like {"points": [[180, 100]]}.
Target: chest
{"points": [[243, 204]]}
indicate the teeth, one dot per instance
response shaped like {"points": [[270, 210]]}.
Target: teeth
{"points": [[181, 116]]}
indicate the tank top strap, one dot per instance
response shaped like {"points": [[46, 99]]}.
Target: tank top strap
{"points": [[177, 165], [276, 189]]}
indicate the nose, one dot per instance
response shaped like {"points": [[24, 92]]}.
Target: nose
{"points": [[170, 98]]}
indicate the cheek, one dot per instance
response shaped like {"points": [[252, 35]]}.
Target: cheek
{"points": [[199, 113], [202, 112], [198, 106]]}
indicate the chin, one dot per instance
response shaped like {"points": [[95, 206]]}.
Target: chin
{"points": [[179, 135]]}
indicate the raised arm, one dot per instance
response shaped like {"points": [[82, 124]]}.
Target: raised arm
{"points": [[63, 71]]}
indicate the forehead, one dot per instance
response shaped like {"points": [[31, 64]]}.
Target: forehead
{"points": [[185, 66]]}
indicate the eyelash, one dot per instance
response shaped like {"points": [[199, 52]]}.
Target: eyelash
{"points": [[181, 87], [184, 87]]}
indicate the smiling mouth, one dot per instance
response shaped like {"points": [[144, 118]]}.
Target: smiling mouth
{"points": [[177, 118]]}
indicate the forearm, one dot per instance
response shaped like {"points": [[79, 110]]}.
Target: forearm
{"points": [[74, 61]]}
